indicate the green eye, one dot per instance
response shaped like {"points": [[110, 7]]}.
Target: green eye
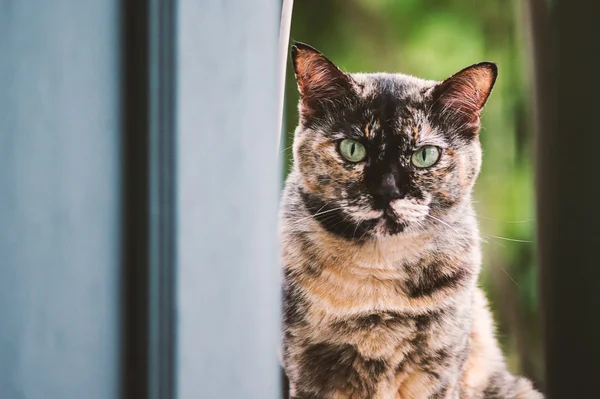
{"points": [[426, 156], [352, 150]]}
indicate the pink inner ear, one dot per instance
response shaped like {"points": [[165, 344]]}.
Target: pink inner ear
{"points": [[317, 76], [312, 74], [468, 90]]}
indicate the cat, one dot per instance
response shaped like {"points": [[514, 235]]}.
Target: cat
{"points": [[380, 247]]}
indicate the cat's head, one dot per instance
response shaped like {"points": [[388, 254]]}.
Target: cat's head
{"points": [[382, 154]]}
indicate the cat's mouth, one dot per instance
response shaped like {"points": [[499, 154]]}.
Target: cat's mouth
{"points": [[390, 223], [389, 213], [399, 215]]}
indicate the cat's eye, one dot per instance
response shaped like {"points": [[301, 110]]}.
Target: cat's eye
{"points": [[426, 156], [352, 150]]}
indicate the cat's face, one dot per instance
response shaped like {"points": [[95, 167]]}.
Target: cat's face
{"points": [[384, 154]]}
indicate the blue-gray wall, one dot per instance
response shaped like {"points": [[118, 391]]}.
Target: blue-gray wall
{"points": [[59, 199], [229, 178]]}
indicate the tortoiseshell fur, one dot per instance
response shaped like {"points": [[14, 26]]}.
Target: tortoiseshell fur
{"points": [[381, 297]]}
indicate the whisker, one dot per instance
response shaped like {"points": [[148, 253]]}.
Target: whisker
{"points": [[323, 220], [509, 239], [497, 243], [317, 213], [287, 148], [337, 223], [508, 221], [363, 235], [502, 268], [510, 277], [451, 227], [355, 229]]}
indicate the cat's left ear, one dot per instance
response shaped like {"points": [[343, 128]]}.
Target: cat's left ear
{"points": [[460, 98]]}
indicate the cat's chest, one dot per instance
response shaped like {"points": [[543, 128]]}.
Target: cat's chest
{"points": [[403, 339], [338, 293], [375, 334], [384, 353], [424, 284]]}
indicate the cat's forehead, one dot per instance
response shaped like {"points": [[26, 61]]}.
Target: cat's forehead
{"points": [[386, 85], [389, 105], [394, 102]]}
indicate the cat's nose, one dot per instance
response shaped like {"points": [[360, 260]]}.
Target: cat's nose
{"points": [[387, 190]]}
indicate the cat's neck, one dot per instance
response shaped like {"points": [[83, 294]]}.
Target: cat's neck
{"points": [[394, 273], [456, 232]]}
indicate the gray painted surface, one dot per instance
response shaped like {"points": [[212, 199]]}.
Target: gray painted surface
{"points": [[59, 199], [229, 177]]}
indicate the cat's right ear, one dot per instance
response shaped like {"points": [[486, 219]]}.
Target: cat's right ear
{"points": [[320, 81]]}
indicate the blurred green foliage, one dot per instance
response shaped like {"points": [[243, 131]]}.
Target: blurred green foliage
{"points": [[433, 39]]}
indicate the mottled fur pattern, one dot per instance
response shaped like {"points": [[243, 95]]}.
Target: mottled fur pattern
{"points": [[381, 258]]}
